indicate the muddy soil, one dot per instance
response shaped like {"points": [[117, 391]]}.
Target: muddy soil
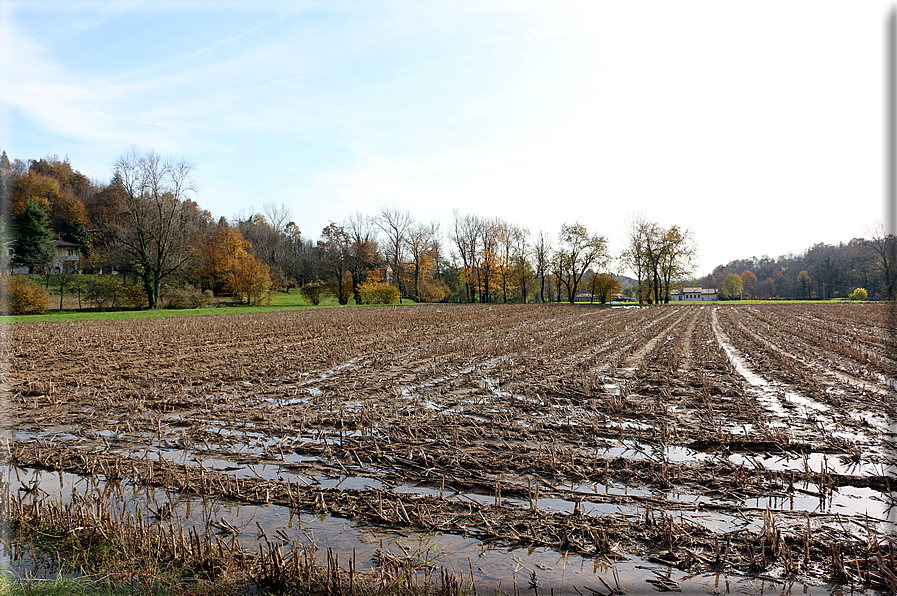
{"points": [[752, 439]]}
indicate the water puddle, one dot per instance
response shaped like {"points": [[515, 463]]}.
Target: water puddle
{"points": [[847, 500], [777, 399], [815, 463], [620, 423], [490, 566]]}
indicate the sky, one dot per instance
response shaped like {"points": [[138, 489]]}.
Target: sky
{"points": [[759, 125]]}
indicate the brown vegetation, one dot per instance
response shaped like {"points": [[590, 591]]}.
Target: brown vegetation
{"points": [[483, 413]]}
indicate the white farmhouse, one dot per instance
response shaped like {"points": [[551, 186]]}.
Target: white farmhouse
{"points": [[694, 295]]}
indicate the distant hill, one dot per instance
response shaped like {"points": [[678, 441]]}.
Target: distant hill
{"points": [[625, 282]]}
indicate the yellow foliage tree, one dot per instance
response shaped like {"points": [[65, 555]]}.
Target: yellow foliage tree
{"points": [[374, 291], [250, 278], [219, 254], [433, 290], [603, 287], [35, 187]]}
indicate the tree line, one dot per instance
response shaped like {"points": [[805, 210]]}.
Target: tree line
{"points": [[823, 271], [146, 224]]}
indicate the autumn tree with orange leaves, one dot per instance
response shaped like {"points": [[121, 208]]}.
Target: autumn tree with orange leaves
{"points": [[251, 278], [749, 283], [217, 258]]}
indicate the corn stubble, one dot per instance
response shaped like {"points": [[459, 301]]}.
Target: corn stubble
{"points": [[516, 403]]}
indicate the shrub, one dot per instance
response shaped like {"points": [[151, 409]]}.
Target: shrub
{"points": [[107, 292], [859, 294], [188, 297], [21, 298], [314, 291], [341, 288], [434, 291], [132, 297], [376, 292], [102, 292]]}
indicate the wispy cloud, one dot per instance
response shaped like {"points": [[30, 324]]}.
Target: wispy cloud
{"points": [[541, 112]]}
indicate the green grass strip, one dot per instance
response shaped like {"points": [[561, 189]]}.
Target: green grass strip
{"points": [[278, 302]]}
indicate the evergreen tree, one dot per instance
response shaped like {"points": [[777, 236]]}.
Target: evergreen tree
{"points": [[5, 187], [34, 239], [78, 233]]}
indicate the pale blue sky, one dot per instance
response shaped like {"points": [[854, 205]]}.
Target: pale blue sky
{"points": [[757, 124]]}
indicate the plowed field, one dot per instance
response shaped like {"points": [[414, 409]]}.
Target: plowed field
{"points": [[693, 442]]}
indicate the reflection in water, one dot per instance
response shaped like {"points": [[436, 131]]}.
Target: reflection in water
{"points": [[490, 566]]}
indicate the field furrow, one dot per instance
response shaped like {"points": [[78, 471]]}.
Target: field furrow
{"points": [[579, 428]]}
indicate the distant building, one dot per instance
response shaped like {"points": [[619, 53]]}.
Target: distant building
{"points": [[694, 295], [68, 257]]}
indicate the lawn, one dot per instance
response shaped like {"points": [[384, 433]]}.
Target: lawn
{"points": [[276, 301]]}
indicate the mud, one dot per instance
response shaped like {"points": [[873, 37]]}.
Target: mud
{"points": [[748, 442]]}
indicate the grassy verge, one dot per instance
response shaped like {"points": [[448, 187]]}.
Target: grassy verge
{"points": [[277, 301]]}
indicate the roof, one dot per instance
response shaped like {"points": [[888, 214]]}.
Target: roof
{"points": [[56, 243], [64, 244]]}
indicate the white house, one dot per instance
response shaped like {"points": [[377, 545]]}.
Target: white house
{"points": [[68, 257], [694, 295]]}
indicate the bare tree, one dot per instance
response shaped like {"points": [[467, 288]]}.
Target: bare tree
{"points": [[634, 256], [486, 250], [578, 252], [522, 267], [336, 246], [884, 249], [657, 255], [154, 219], [466, 232], [654, 250], [556, 269], [362, 250], [423, 250], [502, 232], [489, 258], [395, 224], [278, 216], [542, 260], [677, 257]]}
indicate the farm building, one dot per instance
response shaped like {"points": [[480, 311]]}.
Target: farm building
{"points": [[694, 295]]}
